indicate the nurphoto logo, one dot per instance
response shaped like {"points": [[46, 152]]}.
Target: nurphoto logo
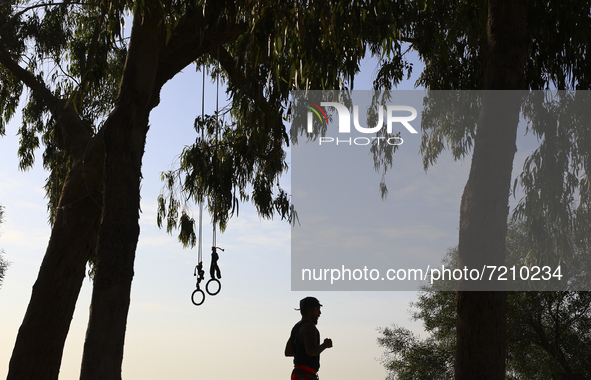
{"points": [[393, 115]]}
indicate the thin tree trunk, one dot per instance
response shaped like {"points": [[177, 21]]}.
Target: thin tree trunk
{"points": [[125, 136], [37, 353], [481, 324], [119, 232], [39, 345]]}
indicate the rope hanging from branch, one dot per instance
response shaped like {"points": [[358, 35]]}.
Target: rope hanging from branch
{"points": [[213, 285], [199, 272]]}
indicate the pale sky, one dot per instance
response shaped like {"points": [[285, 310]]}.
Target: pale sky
{"points": [[241, 332]]}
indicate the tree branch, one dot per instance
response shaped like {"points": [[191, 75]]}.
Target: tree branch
{"points": [[36, 85], [228, 63], [413, 41], [74, 133], [188, 43], [142, 62], [25, 10], [87, 62]]}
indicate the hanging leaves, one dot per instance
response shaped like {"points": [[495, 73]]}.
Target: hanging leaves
{"points": [[286, 46]]}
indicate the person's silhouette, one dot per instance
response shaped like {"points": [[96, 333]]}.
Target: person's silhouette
{"points": [[199, 272], [214, 269]]}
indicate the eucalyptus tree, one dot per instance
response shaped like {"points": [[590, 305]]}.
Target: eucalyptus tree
{"points": [[547, 336], [547, 331], [90, 90], [504, 45]]}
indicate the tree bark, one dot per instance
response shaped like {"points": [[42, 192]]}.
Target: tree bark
{"points": [[481, 324], [42, 335], [125, 134], [37, 353]]}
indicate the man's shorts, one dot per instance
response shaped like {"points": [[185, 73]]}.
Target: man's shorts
{"points": [[302, 374]]}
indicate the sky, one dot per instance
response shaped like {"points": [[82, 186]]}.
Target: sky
{"points": [[345, 224], [242, 331]]}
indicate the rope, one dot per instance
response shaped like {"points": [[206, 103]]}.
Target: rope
{"points": [[198, 296], [200, 249]]}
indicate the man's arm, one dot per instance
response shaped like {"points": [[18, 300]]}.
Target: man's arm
{"points": [[312, 348], [289, 348]]}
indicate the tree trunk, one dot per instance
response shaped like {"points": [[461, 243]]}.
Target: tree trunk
{"points": [[481, 324], [118, 236], [125, 135], [37, 353]]}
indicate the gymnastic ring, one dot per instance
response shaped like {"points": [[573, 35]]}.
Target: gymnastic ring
{"points": [[209, 282], [202, 297]]}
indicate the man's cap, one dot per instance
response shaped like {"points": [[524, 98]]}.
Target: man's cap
{"points": [[308, 302]]}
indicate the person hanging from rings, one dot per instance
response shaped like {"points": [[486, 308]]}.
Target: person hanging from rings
{"points": [[214, 269], [199, 272]]}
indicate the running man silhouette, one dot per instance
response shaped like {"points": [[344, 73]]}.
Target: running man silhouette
{"points": [[304, 342]]}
